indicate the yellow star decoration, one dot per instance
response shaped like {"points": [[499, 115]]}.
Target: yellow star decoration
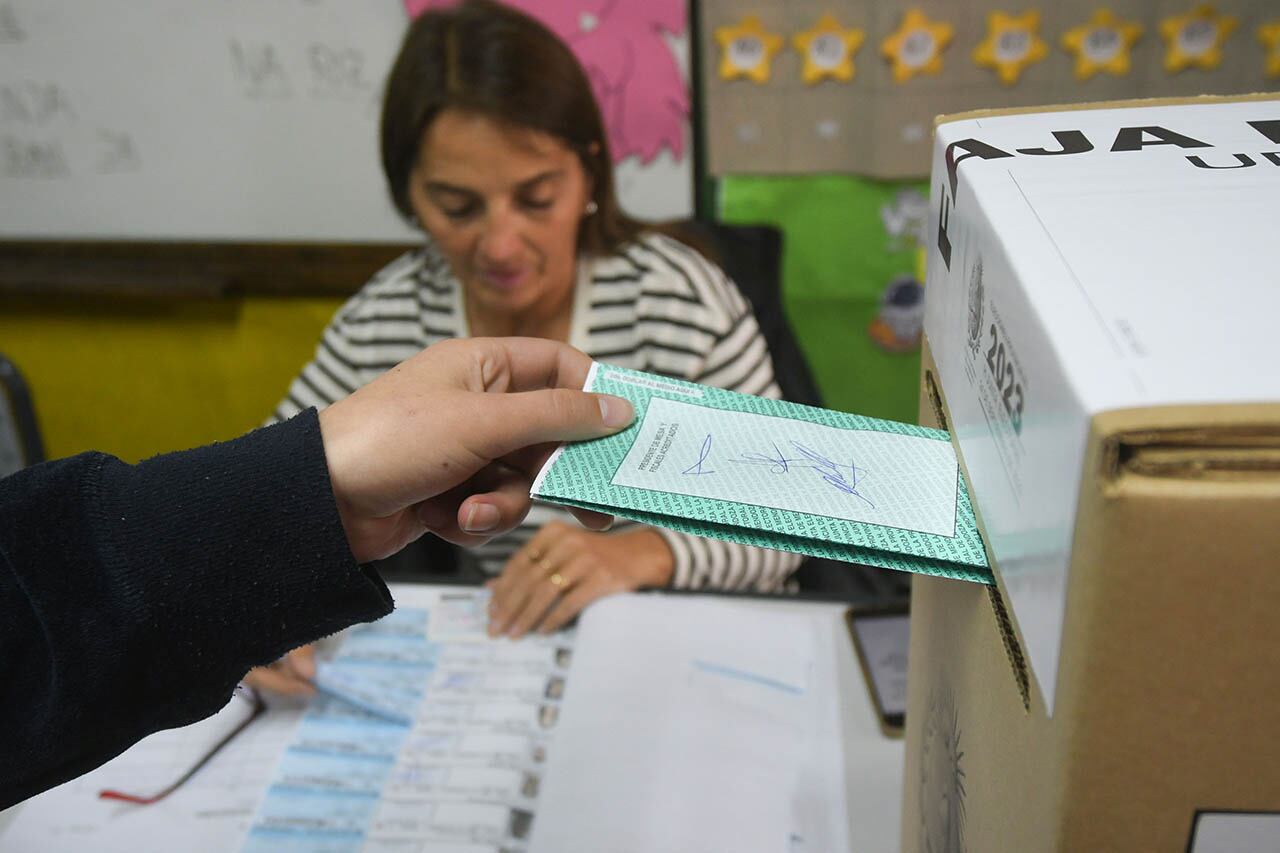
{"points": [[828, 50], [1102, 43], [746, 50], [1196, 38], [1011, 45], [1269, 35], [916, 46]]}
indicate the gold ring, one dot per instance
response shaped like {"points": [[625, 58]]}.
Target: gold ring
{"points": [[558, 580]]}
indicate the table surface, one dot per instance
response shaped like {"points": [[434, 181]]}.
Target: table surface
{"points": [[873, 762]]}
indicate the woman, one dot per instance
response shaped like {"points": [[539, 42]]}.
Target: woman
{"points": [[492, 142]]}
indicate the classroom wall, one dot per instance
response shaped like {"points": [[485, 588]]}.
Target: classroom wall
{"points": [[140, 376], [849, 242]]}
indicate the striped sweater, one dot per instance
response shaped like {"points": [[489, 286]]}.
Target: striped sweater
{"points": [[657, 306]]}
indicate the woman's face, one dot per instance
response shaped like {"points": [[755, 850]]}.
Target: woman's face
{"points": [[504, 205]]}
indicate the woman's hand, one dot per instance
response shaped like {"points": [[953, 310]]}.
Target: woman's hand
{"points": [[289, 676], [563, 569]]}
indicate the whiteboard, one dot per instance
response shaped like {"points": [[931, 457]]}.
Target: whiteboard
{"points": [[221, 120]]}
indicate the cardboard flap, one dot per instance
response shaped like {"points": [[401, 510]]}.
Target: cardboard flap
{"points": [[1200, 462], [1243, 451]]}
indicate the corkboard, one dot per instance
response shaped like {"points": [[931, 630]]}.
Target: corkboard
{"points": [[875, 127]]}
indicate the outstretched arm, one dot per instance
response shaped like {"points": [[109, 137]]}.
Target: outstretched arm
{"points": [[135, 596]]}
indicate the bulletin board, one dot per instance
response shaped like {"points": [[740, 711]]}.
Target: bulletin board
{"points": [[853, 86]]}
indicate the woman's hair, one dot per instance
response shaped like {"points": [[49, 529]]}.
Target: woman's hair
{"points": [[487, 58]]}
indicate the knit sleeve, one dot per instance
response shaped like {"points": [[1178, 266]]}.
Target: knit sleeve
{"points": [[135, 597]]}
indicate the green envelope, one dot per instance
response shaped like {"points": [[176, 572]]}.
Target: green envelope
{"points": [[774, 474]]}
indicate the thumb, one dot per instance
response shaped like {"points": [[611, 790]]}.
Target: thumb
{"points": [[517, 421]]}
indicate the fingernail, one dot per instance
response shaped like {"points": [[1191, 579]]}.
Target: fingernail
{"points": [[615, 411], [481, 518]]}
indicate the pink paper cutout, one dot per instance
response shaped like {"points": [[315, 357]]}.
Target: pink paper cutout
{"points": [[636, 79]]}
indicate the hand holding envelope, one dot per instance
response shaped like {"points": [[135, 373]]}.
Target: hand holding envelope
{"points": [[774, 474]]}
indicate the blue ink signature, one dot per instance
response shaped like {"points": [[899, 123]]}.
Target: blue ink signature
{"points": [[696, 468], [845, 478]]}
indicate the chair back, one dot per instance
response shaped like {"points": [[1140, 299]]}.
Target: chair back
{"points": [[751, 255], [20, 442]]}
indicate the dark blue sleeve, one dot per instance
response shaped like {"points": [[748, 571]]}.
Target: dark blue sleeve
{"points": [[133, 598]]}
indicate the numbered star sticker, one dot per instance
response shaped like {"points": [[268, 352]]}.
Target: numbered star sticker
{"points": [[1103, 43], [746, 50], [916, 46], [828, 50], [1269, 35], [1011, 46], [1196, 38]]}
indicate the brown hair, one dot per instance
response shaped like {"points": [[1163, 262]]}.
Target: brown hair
{"points": [[487, 58]]}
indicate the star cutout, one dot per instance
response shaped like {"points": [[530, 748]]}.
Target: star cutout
{"points": [[916, 46], [746, 50], [828, 50], [1269, 35], [1011, 45], [1196, 38], [1102, 43]]}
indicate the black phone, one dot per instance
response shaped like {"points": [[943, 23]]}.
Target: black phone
{"points": [[880, 636]]}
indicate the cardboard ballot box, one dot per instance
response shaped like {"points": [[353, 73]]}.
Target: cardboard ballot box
{"points": [[1103, 341]]}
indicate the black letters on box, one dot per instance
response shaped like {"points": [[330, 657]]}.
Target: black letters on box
{"points": [[1270, 129], [1245, 162], [944, 216], [1133, 139], [1070, 142], [976, 148]]}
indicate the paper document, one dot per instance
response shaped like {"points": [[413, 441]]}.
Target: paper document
{"points": [[462, 775], [720, 731], [208, 814], [425, 734], [774, 474]]}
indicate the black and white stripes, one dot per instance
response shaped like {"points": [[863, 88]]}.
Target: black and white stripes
{"points": [[657, 306]]}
